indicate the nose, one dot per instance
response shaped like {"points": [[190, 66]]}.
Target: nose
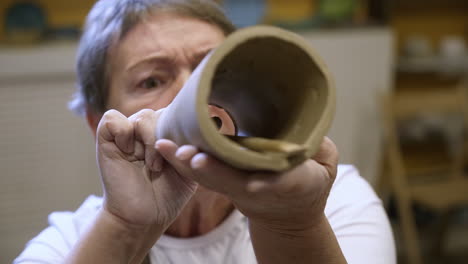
{"points": [[181, 78]]}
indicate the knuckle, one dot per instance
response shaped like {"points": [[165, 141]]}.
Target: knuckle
{"points": [[138, 121], [110, 114], [139, 124], [115, 121], [141, 117], [146, 112], [106, 148], [142, 125]]}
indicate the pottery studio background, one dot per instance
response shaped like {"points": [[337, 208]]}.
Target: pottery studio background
{"points": [[398, 66]]}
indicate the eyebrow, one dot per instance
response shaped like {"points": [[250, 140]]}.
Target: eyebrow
{"points": [[199, 56], [165, 59]]}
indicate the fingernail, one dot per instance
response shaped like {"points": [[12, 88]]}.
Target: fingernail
{"points": [[198, 161], [185, 153], [182, 154], [156, 144], [159, 142], [255, 186]]}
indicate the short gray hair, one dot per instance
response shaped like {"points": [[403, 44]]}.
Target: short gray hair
{"points": [[108, 22]]}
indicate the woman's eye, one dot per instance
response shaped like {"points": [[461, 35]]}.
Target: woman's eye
{"points": [[150, 83]]}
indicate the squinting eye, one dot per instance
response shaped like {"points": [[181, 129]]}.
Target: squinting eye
{"points": [[151, 83]]}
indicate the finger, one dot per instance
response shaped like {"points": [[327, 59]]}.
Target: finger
{"points": [[178, 158], [293, 181], [144, 123], [157, 162], [115, 127], [327, 156], [185, 153], [239, 184], [219, 176], [138, 152]]}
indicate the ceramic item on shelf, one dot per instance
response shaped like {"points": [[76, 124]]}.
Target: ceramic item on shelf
{"points": [[272, 84], [283, 12], [417, 55], [453, 56], [25, 23], [301, 15], [417, 46], [244, 13], [337, 11]]}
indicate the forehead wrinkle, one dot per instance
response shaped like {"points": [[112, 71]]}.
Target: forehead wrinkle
{"points": [[150, 30], [145, 47]]}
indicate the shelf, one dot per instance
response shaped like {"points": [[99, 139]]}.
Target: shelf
{"points": [[42, 60]]}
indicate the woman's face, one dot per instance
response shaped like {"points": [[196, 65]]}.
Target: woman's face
{"points": [[152, 62]]}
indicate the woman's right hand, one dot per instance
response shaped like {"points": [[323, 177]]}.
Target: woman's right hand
{"points": [[138, 189], [142, 197]]}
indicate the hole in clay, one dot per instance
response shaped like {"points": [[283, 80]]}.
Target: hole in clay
{"points": [[217, 121]]}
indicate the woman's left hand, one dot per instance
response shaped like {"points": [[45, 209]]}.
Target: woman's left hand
{"points": [[289, 200]]}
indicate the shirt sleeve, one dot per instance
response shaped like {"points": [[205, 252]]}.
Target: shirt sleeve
{"points": [[53, 244], [358, 220], [50, 246]]}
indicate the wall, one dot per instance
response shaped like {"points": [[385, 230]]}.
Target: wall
{"points": [[361, 61], [47, 155]]}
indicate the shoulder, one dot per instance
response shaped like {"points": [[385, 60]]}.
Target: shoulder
{"points": [[54, 242], [350, 187], [357, 217], [72, 224]]}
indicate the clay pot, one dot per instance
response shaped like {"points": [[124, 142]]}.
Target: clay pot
{"points": [[275, 88]]}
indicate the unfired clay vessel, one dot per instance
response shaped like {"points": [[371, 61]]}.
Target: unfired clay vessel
{"points": [[275, 88]]}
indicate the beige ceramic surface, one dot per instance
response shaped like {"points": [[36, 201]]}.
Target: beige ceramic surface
{"points": [[272, 84]]}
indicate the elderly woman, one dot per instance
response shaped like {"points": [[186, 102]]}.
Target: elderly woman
{"points": [[165, 203]]}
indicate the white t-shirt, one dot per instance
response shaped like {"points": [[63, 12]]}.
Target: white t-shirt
{"points": [[354, 211]]}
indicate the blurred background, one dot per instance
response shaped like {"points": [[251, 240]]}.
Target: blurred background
{"points": [[400, 71]]}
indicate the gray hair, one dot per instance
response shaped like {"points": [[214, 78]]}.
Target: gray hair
{"points": [[108, 22]]}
